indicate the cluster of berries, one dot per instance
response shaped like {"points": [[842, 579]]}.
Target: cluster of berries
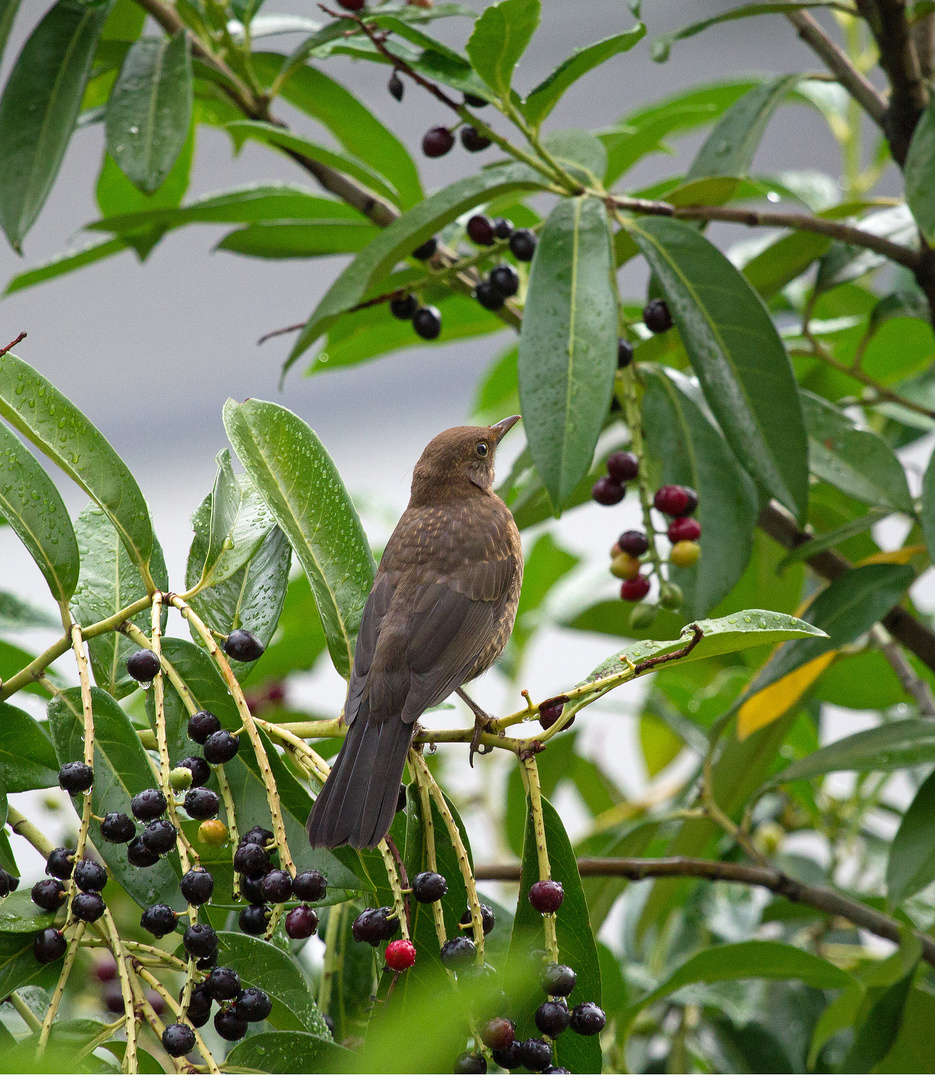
{"points": [[50, 894], [105, 971], [437, 141]]}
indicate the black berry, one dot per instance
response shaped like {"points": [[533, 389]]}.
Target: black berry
{"points": [[457, 952], [587, 1018], [546, 896], [223, 984], [480, 230], [206, 963], [502, 228], [470, 1063], [488, 296], [159, 920], [302, 922], [488, 919], [49, 945], [310, 885], [244, 646], [201, 725], [427, 250], [139, 856], [549, 712], [90, 876], [624, 353], [428, 886], [505, 278], [437, 141], [633, 542], [474, 101], [87, 907], [178, 1040], [201, 804], [508, 1058], [401, 798], [552, 1018], [253, 1005], [256, 834], [404, 307], [251, 888], [276, 887], [607, 491], [395, 86], [250, 859], [200, 1004], [48, 894], [5, 886], [472, 140], [523, 244], [200, 940], [253, 919], [374, 925], [498, 1033], [427, 322], [59, 863], [148, 805], [657, 317], [159, 837], [199, 769], [558, 979], [535, 1054], [75, 777], [197, 886], [623, 466], [229, 1025], [143, 665], [221, 747], [117, 828]]}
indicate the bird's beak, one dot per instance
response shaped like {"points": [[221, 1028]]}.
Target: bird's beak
{"points": [[504, 426]]}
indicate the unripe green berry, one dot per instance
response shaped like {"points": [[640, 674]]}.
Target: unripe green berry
{"points": [[670, 596], [180, 779], [643, 616]]}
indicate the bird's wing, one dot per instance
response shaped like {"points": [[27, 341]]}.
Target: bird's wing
{"points": [[375, 610]]}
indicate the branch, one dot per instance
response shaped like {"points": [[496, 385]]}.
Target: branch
{"points": [[854, 82], [780, 525], [818, 897]]}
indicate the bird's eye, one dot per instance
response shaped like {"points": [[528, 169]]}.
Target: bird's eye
{"points": [[481, 449]]}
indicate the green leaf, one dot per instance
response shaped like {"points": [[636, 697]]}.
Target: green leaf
{"points": [[928, 507], [576, 945], [19, 966], [857, 462], [783, 261], [19, 915], [847, 262], [109, 581], [32, 506], [116, 195], [844, 610], [911, 862], [150, 108], [299, 641], [912, 1051], [568, 344], [830, 539], [693, 452], [52, 423], [876, 1035], [27, 756], [499, 39], [8, 9], [401, 238], [736, 353], [920, 163], [579, 152], [64, 264], [543, 99], [545, 565], [729, 149], [288, 1052], [299, 239], [39, 107], [294, 474], [121, 770], [19, 614], [901, 744]]}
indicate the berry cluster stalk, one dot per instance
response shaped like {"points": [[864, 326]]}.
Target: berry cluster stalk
{"points": [[530, 776]]}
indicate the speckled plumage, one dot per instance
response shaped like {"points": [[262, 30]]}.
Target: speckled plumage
{"points": [[440, 612]]}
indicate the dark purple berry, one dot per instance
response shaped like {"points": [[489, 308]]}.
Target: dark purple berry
{"points": [[470, 1063], [253, 1005], [480, 230], [508, 1058], [505, 279], [5, 886], [148, 805], [200, 940], [198, 767], [546, 896], [401, 798], [276, 887], [674, 500], [657, 317], [159, 920], [523, 244], [457, 952], [159, 837], [251, 859], [112, 996], [178, 1040], [623, 466], [87, 907], [502, 228], [310, 885], [587, 1018], [197, 886], [75, 777], [404, 307], [549, 712], [251, 887], [301, 922], [395, 86], [59, 863], [624, 353], [200, 1003], [48, 894], [221, 747], [558, 979], [49, 945], [425, 251], [243, 646], [90, 876], [256, 834], [472, 140], [254, 919], [352, 5], [209, 962], [437, 141], [488, 296], [229, 1025], [552, 1018], [201, 725], [139, 856], [223, 984], [497, 1034], [117, 828], [201, 803], [633, 542], [488, 920], [535, 1054], [607, 491], [427, 322], [143, 665], [374, 925], [428, 887], [474, 101]]}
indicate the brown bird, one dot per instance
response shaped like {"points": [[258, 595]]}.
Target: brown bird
{"points": [[440, 612]]}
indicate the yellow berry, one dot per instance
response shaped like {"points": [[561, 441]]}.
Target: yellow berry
{"points": [[213, 833], [625, 566], [684, 553]]}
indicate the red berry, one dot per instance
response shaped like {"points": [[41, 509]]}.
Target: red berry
{"points": [[657, 317], [633, 542], [683, 528], [400, 955], [607, 491], [675, 500], [498, 1033], [550, 711], [634, 589], [437, 141], [352, 5], [623, 466], [546, 896]]}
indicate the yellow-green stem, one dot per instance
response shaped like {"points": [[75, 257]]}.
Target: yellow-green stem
{"points": [[534, 791], [67, 965]]}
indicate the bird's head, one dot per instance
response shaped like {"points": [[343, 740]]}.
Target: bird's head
{"points": [[458, 460]]}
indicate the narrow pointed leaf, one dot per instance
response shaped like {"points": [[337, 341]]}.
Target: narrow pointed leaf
{"points": [[911, 862], [64, 264], [568, 344], [902, 744], [150, 108], [928, 507], [299, 239], [27, 756], [52, 423], [294, 474], [34, 509], [8, 9], [736, 353], [499, 39], [40, 105], [920, 164]]}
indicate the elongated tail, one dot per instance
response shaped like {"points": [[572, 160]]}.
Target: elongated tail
{"points": [[357, 803]]}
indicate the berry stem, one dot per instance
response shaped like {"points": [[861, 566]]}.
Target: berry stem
{"points": [[25, 828], [464, 863], [112, 936], [332, 962], [231, 814], [31, 1020], [67, 964], [399, 902], [87, 711], [530, 776], [142, 972], [428, 833]]}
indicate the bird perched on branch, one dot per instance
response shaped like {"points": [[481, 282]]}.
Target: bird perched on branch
{"points": [[440, 612]]}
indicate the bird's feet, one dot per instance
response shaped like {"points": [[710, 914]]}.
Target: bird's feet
{"points": [[482, 720]]}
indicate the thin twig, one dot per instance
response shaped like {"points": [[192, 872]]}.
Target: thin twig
{"points": [[13, 343]]}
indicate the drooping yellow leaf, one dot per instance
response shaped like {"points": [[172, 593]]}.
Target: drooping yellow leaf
{"points": [[901, 557], [778, 698]]}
